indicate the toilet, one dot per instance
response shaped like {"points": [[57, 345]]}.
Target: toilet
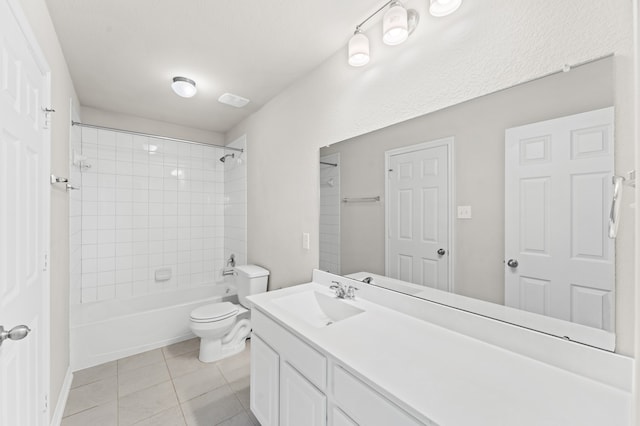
{"points": [[221, 334]]}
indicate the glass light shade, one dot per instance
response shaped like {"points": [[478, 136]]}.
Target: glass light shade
{"points": [[441, 8], [358, 50], [184, 87], [394, 25]]}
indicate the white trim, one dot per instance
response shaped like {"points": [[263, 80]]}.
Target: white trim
{"points": [[449, 143], [636, 134], [58, 413]]}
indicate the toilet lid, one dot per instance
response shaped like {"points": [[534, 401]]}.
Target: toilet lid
{"points": [[214, 312]]}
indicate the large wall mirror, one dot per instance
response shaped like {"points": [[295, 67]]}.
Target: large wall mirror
{"points": [[500, 205]]}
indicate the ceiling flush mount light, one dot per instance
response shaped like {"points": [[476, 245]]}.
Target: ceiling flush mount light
{"points": [[184, 87], [441, 8], [233, 100], [358, 49]]}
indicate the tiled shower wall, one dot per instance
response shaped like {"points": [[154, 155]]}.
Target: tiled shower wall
{"points": [[330, 214], [148, 206]]}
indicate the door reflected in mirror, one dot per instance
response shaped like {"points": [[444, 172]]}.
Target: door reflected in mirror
{"points": [[533, 198]]}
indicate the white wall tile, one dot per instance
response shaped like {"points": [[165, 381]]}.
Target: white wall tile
{"points": [[148, 203]]}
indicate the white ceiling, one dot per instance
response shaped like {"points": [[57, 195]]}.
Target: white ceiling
{"points": [[123, 54]]}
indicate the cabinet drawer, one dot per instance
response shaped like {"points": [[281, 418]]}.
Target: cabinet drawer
{"points": [[309, 362], [364, 405]]}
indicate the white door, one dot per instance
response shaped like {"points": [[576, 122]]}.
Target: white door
{"points": [[301, 403], [418, 209], [265, 379], [558, 189], [24, 224]]}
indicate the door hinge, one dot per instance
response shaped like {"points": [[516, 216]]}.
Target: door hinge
{"points": [[47, 116]]}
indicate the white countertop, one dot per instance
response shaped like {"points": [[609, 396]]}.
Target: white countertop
{"points": [[451, 378]]}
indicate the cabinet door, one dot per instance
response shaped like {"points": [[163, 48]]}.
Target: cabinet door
{"points": [[265, 371], [301, 403]]}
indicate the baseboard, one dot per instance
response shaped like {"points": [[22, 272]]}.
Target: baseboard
{"points": [[56, 419]]}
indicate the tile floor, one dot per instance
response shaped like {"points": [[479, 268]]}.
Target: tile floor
{"points": [[163, 387]]}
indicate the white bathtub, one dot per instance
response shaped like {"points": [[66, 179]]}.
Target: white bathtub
{"points": [[112, 329]]}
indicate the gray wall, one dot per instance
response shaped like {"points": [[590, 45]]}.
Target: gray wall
{"points": [[485, 46], [478, 128]]}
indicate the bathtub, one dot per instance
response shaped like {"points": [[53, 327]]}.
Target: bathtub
{"points": [[108, 330]]}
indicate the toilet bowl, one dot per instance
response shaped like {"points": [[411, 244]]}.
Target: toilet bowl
{"points": [[221, 333]]}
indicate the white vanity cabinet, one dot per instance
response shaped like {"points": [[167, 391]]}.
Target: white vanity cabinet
{"points": [[301, 403], [264, 386], [291, 385]]}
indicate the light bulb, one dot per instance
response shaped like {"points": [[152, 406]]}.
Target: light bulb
{"points": [[394, 25], [441, 8], [358, 50]]}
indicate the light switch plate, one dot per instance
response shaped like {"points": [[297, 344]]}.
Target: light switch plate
{"points": [[305, 240], [464, 212]]}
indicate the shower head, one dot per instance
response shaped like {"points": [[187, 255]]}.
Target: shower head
{"points": [[224, 157]]}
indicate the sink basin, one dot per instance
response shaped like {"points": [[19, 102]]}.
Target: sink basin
{"points": [[316, 309]]}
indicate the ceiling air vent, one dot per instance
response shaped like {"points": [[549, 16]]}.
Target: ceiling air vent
{"points": [[233, 100]]}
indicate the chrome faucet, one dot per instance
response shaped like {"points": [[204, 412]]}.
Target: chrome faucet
{"points": [[343, 291]]}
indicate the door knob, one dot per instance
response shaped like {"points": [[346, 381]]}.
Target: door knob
{"points": [[441, 252], [512, 263], [16, 333]]}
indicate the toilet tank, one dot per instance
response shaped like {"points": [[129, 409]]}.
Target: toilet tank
{"points": [[251, 279]]}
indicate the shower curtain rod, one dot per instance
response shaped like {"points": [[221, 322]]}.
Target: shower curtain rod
{"points": [[149, 135]]}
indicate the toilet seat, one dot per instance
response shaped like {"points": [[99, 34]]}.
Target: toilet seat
{"points": [[214, 312]]}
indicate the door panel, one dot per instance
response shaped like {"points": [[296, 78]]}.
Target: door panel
{"points": [[558, 191], [265, 388], [300, 402], [418, 214], [24, 229]]}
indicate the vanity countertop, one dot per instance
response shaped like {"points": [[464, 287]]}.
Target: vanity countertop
{"points": [[450, 378]]}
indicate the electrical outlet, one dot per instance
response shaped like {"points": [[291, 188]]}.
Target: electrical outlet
{"points": [[464, 212], [305, 240]]}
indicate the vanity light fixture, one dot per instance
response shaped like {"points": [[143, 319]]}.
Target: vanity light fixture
{"points": [[395, 28], [439, 8], [398, 24], [184, 87], [358, 49]]}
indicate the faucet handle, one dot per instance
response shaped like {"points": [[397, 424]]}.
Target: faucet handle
{"points": [[351, 292], [339, 289]]}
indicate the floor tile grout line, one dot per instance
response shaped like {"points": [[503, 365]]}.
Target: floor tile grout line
{"points": [[175, 391], [165, 361]]}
